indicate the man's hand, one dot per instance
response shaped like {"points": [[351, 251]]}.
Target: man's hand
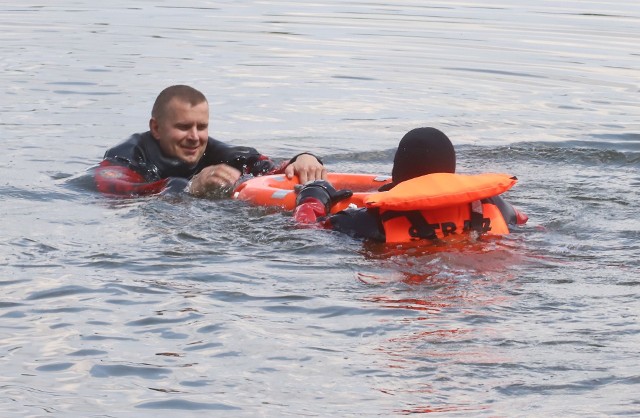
{"points": [[307, 168], [213, 178]]}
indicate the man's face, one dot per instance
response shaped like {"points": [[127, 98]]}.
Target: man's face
{"points": [[183, 130]]}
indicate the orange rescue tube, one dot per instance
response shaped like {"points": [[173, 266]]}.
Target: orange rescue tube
{"points": [[278, 190]]}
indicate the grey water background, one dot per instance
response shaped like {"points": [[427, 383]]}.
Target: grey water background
{"points": [[192, 307]]}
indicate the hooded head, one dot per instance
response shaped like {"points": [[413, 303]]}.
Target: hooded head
{"points": [[423, 151]]}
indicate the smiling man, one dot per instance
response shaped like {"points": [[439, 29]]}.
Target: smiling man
{"points": [[177, 154]]}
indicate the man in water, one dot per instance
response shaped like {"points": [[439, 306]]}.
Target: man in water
{"points": [[421, 151], [177, 154]]}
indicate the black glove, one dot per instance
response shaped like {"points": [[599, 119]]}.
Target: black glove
{"points": [[323, 191]]}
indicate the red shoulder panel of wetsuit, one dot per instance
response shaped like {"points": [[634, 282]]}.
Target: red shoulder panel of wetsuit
{"points": [[118, 180]]}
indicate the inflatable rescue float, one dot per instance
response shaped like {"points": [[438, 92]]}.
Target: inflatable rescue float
{"points": [[278, 190]]}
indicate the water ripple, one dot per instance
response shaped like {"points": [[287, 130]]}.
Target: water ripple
{"points": [[182, 404], [68, 291], [103, 371]]}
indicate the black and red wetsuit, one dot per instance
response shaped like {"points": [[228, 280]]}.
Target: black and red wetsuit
{"points": [[137, 166]]}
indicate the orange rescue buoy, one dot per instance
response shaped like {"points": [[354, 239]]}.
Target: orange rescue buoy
{"points": [[278, 190]]}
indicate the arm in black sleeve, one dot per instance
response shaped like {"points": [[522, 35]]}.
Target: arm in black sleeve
{"points": [[358, 223], [245, 159], [293, 160], [510, 214]]}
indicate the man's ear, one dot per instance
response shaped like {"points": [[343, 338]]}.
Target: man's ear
{"points": [[153, 127]]}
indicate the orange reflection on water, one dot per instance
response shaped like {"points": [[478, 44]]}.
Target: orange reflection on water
{"points": [[451, 294], [408, 303]]}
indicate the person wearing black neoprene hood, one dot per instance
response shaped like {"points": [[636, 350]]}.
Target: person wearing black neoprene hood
{"points": [[421, 151]]}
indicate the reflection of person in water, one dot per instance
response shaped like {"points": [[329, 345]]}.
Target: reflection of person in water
{"points": [[421, 151]]}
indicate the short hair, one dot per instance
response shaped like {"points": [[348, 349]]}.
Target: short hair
{"points": [[185, 93]]}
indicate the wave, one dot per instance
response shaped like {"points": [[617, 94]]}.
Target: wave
{"points": [[577, 152], [617, 150]]}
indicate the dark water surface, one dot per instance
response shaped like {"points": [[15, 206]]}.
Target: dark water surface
{"points": [[190, 307]]}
